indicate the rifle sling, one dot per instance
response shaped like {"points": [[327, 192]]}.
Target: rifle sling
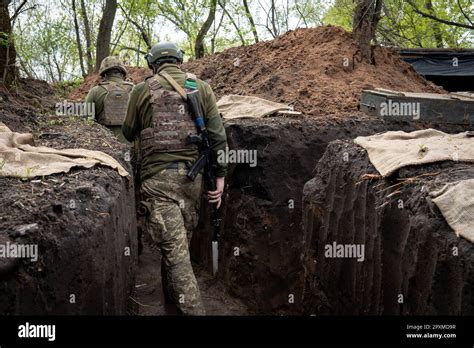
{"points": [[174, 84]]}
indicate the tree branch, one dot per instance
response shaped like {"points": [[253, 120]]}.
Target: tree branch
{"points": [[138, 26], [199, 44], [464, 13], [17, 10], [78, 38], [427, 15], [87, 29], [132, 49], [121, 32], [222, 5], [252, 22]]}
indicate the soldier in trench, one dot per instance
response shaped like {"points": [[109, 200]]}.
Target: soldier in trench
{"points": [[159, 117], [110, 97]]}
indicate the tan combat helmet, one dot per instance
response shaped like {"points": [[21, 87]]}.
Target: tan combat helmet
{"points": [[112, 62]]}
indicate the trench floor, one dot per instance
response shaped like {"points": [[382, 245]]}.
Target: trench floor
{"points": [[148, 298]]}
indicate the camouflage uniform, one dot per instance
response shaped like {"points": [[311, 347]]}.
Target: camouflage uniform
{"points": [[174, 198], [174, 215], [98, 95]]}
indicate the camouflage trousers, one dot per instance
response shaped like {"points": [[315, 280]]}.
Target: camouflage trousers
{"points": [[174, 215]]}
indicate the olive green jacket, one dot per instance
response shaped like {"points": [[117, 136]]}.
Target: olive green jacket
{"points": [[98, 93], [139, 117], [97, 96]]}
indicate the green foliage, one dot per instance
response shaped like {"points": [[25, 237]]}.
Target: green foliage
{"points": [[340, 14], [65, 87], [309, 12], [46, 42], [422, 148], [401, 26], [28, 173], [55, 121], [89, 121], [4, 39]]}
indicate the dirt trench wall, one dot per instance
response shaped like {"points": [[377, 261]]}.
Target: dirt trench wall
{"points": [[87, 250], [81, 221], [268, 271], [414, 263], [81, 254]]}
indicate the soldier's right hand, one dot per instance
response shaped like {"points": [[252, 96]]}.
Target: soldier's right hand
{"points": [[216, 196]]}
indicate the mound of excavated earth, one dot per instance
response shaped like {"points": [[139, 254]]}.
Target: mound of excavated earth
{"points": [[136, 75], [317, 70], [413, 263]]}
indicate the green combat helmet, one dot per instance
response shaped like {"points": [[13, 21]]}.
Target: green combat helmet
{"points": [[111, 62], [164, 50]]}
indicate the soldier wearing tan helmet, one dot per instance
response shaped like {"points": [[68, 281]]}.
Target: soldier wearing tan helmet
{"points": [[111, 95]]}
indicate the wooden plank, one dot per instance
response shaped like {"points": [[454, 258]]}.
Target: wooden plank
{"points": [[389, 91], [463, 95], [421, 95], [288, 112], [415, 107]]}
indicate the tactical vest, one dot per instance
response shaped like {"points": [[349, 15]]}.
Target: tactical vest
{"points": [[115, 102], [172, 120]]}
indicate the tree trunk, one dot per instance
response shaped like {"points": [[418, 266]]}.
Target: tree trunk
{"points": [[49, 68], [366, 18], [237, 29], [87, 30], [252, 23], [78, 39], [215, 32], [26, 70], [8, 68], [58, 68], [274, 19], [142, 31], [435, 25], [199, 44], [105, 32]]}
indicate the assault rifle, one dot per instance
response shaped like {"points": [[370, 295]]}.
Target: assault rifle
{"points": [[204, 162]]}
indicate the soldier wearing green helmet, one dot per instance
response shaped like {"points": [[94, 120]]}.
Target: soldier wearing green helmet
{"points": [[111, 95], [160, 119], [165, 52]]}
